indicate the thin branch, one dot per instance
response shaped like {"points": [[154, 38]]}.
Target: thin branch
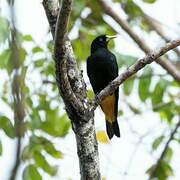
{"points": [[60, 54], [61, 27], [49, 82], [157, 27], [52, 9], [18, 97], [159, 31], [134, 69], [17, 162], [171, 69], [164, 151]]}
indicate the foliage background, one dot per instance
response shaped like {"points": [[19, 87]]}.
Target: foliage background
{"points": [[148, 105]]}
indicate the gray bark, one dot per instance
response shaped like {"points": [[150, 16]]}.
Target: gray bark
{"points": [[73, 91]]}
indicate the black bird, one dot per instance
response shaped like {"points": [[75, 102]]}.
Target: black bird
{"points": [[102, 68]]}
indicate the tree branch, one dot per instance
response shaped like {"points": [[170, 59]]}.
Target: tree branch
{"points": [[159, 31], [69, 80], [132, 70], [18, 97], [155, 168], [73, 90], [52, 8], [60, 54], [156, 26], [171, 69]]}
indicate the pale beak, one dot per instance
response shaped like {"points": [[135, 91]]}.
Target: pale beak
{"points": [[110, 38]]}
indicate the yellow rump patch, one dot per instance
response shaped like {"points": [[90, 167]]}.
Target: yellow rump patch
{"points": [[108, 107], [102, 137]]}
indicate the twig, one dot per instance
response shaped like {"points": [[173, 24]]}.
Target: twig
{"points": [[164, 151], [132, 70], [153, 25], [156, 26], [171, 69], [17, 162], [49, 82]]}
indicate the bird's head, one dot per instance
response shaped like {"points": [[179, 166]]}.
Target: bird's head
{"points": [[101, 42]]}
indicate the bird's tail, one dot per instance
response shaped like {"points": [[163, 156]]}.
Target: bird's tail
{"points": [[112, 128]]}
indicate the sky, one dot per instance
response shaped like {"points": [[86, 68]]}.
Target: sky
{"points": [[126, 153]]}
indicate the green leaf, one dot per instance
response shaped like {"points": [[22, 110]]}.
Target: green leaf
{"points": [[7, 126], [168, 154], [35, 119], [163, 171], [45, 144], [26, 153], [27, 38], [4, 58], [149, 1], [81, 49], [39, 63], [4, 29], [43, 164], [166, 110], [1, 148], [166, 169], [22, 55], [128, 86], [157, 142], [55, 125], [37, 49], [158, 92], [50, 149], [132, 9], [31, 173], [144, 84], [78, 6], [90, 94], [123, 59]]}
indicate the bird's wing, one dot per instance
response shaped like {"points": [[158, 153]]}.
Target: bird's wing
{"points": [[112, 73], [89, 67]]}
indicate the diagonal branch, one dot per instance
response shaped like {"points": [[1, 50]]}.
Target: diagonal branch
{"points": [[167, 65], [156, 26], [158, 30], [155, 168], [134, 69]]}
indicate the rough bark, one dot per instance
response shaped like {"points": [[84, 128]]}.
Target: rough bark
{"points": [[73, 91], [167, 65]]}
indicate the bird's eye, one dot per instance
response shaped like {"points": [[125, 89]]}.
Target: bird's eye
{"points": [[100, 39]]}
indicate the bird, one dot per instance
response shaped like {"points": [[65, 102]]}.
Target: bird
{"points": [[102, 68]]}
